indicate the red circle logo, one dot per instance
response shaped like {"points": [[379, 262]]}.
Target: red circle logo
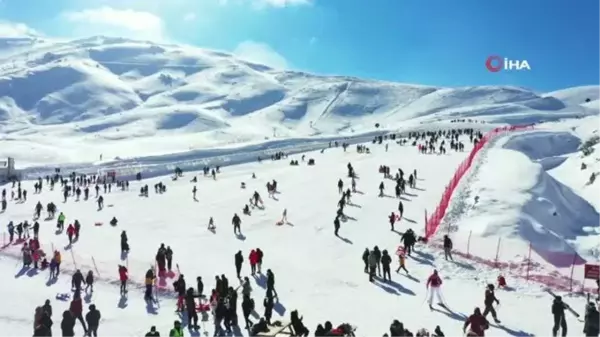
{"points": [[494, 63]]}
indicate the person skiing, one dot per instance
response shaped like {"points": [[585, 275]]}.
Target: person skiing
{"points": [[489, 300], [239, 259], [477, 324], [434, 282], [558, 311], [236, 221]]}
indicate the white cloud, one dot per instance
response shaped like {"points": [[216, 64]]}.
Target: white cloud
{"points": [[189, 17], [261, 53], [269, 3], [117, 22], [283, 3], [14, 29]]}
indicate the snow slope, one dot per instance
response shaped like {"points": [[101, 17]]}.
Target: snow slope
{"points": [[89, 95], [523, 204], [316, 273]]}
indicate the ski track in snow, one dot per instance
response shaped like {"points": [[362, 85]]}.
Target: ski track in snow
{"points": [[316, 273]]}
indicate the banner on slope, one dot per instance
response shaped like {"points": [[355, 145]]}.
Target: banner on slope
{"points": [[591, 271]]}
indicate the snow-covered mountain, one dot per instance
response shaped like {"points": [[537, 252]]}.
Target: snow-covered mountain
{"points": [[90, 94]]}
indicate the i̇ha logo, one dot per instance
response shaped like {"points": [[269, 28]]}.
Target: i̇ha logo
{"points": [[496, 63]]}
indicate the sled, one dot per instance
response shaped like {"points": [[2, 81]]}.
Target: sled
{"points": [[279, 223], [98, 224], [274, 331]]}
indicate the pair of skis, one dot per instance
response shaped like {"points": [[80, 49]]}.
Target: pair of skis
{"points": [[567, 306]]}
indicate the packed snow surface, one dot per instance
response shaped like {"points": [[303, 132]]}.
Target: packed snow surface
{"points": [[73, 101], [317, 273]]}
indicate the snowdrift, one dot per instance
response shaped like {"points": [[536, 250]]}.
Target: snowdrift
{"points": [[539, 145], [522, 204], [577, 95]]}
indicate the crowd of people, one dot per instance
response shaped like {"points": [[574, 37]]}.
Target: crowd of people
{"points": [[221, 302]]}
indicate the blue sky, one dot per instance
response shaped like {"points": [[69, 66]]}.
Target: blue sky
{"points": [[434, 42]]}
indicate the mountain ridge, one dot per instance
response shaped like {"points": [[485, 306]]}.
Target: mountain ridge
{"points": [[113, 89]]}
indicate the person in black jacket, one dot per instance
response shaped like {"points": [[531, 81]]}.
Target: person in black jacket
{"points": [[67, 325], [153, 332], [386, 260], [489, 300], [232, 299], [447, 248], [239, 259], [44, 327], [271, 282], [190, 305], [591, 326], [558, 311], [92, 318], [247, 308], [299, 327], [47, 308], [169, 257], [268, 304], [365, 258], [259, 261]]}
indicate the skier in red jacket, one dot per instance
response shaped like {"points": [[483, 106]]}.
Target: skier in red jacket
{"points": [[434, 282], [478, 324], [123, 277]]}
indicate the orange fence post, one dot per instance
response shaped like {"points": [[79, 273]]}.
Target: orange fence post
{"points": [[572, 271], [528, 262], [426, 227], [497, 251], [95, 267], [469, 245], [73, 257]]}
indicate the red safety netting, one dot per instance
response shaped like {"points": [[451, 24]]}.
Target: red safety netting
{"points": [[569, 278], [434, 220]]}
